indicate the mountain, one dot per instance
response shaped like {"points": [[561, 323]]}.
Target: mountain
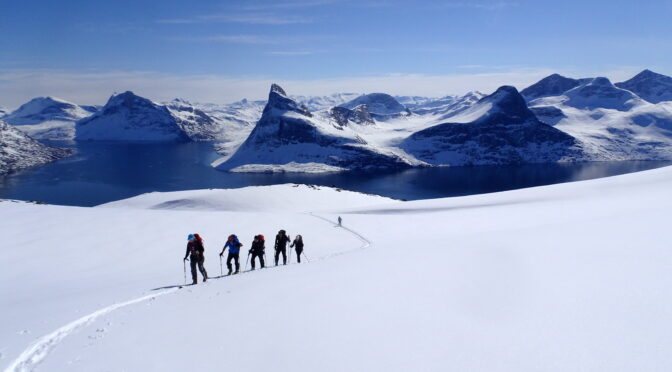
{"points": [[18, 151], [650, 86], [3, 112], [380, 105], [358, 115], [128, 117], [499, 129], [197, 124], [600, 93], [319, 103], [288, 137], [552, 85], [611, 123], [49, 118]]}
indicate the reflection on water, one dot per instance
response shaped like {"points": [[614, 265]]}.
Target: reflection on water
{"points": [[102, 172]]}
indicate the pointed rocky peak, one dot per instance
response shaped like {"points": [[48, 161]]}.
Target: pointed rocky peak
{"points": [[278, 100], [552, 85], [649, 85]]}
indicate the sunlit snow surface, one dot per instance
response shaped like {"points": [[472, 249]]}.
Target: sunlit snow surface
{"points": [[569, 277]]}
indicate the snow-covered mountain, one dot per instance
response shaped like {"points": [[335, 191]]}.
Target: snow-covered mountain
{"points": [[49, 118], [18, 151], [197, 124], [319, 103], [381, 106], [128, 117], [3, 112], [288, 137], [499, 129], [551, 85], [358, 115], [650, 86], [610, 122]]}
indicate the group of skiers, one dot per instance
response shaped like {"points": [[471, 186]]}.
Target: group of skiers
{"points": [[195, 252]]}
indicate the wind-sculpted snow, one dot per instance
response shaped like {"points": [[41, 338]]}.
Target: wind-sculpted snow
{"points": [[505, 131], [127, 117], [650, 86], [18, 151]]}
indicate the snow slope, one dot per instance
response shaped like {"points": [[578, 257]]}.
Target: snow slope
{"points": [[48, 118], [570, 277], [18, 151]]}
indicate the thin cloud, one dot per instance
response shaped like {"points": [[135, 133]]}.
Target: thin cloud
{"points": [[290, 53], [253, 19], [489, 6], [233, 39], [291, 4]]}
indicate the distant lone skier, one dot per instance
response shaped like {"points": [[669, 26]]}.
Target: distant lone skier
{"points": [[298, 243], [281, 241], [195, 252], [339, 220], [258, 249], [234, 253]]}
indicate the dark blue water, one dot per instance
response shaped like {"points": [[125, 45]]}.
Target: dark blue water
{"points": [[103, 172]]}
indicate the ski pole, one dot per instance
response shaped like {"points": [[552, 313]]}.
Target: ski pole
{"points": [[248, 260], [290, 255], [221, 271], [184, 265], [304, 255]]}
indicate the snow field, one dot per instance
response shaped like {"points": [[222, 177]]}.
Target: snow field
{"points": [[556, 278]]}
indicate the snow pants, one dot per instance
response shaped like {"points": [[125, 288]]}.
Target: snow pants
{"points": [[234, 257], [197, 261], [284, 255], [298, 254], [261, 258]]}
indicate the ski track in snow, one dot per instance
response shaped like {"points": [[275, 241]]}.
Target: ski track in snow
{"points": [[33, 355]]}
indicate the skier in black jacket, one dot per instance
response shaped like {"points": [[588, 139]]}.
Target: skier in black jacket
{"points": [[257, 250], [195, 251], [281, 241], [298, 243]]}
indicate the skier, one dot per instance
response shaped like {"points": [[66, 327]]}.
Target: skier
{"points": [[195, 251], [234, 252], [257, 250], [281, 241], [298, 243], [339, 220]]}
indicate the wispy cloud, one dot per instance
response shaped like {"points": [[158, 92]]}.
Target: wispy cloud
{"points": [[95, 87], [479, 5], [290, 53], [232, 39], [249, 18], [291, 4]]}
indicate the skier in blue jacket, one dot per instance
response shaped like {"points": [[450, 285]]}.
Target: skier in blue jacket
{"points": [[234, 251]]}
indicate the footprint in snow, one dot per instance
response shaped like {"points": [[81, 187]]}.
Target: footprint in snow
{"points": [[23, 332]]}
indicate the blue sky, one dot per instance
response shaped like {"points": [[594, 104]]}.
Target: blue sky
{"points": [[220, 51]]}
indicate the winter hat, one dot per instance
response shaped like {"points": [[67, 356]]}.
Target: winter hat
{"points": [[191, 236]]}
